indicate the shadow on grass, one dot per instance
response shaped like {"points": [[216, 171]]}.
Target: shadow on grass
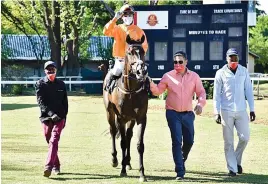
{"points": [[223, 178], [11, 167], [202, 177], [87, 176], [6, 107], [79, 93]]}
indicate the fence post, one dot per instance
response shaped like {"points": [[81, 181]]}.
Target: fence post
{"points": [[258, 89], [70, 85]]}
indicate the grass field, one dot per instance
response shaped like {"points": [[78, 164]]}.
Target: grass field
{"points": [[85, 147]]}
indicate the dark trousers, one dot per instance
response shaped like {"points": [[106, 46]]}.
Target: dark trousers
{"points": [[52, 132], [181, 125]]}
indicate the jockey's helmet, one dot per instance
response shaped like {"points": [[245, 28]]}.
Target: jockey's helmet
{"points": [[127, 9]]}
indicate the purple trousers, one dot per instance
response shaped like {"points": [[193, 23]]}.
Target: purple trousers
{"points": [[52, 132]]}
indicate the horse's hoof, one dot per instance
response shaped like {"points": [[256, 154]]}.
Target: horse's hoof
{"points": [[123, 174], [142, 179], [115, 164], [128, 167]]}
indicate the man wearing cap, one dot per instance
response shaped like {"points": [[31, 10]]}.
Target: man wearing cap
{"points": [[181, 84], [232, 87], [52, 100], [119, 33]]}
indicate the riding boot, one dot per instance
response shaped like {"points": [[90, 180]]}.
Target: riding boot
{"points": [[109, 80]]}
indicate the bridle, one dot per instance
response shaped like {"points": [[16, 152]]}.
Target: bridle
{"points": [[138, 57]]}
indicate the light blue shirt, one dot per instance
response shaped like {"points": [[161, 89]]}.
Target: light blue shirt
{"points": [[232, 90]]}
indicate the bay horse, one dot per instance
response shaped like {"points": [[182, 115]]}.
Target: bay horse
{"points": [[128, 104]]}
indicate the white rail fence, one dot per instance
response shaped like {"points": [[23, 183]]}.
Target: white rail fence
{"points": [[255, 81], [33, 79]]}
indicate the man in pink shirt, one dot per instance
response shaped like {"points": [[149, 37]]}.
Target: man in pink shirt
{"points": [[181, 84]]}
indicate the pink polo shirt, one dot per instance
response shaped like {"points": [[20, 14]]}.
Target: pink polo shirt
{"points": [[181, 90]]}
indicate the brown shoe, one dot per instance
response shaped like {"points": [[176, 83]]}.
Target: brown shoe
{"points": [[47, 173]]}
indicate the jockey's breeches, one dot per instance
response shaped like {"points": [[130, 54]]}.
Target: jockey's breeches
{"points": [[118, 67]]}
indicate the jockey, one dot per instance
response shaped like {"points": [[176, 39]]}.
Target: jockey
{"points": [[120, 32]]}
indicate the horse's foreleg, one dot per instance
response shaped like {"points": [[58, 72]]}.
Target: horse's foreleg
{"points": [[113, 131], [114, 152], [140, 146], [129, 135], [123, 147]]}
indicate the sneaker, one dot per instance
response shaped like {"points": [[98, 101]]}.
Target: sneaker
{"points": [[179, 178], [231, 173], [47, 173], [239, 169], [56, 171]]}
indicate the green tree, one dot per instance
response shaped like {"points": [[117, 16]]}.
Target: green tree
{"points": [[69, 22], [23, 15], [81, 20], [24, 21], [258, 42], [258, 11]]}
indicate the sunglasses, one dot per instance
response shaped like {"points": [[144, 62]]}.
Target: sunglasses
{"points": [[178, 62]]}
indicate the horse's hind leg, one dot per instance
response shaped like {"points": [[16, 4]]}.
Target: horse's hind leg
{"points": [[141, 124], [129, 135], [113, 131]]}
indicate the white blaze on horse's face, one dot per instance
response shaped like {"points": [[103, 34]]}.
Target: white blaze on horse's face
{"points": [[138, 53], [141, 70]]}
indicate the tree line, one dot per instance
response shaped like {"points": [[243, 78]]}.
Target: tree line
{"points": [[69, 25]]}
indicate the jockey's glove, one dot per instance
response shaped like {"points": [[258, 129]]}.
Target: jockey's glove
{"points": [[118, 15]]}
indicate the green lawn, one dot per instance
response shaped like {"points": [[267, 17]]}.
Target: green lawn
{"points": [[85, 146]]}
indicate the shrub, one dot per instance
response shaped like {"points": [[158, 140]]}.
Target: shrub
{"points": [[16, 89], [209, 88], [14, 73]]}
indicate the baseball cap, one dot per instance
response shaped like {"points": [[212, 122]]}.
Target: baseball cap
{"points": [[180, 53], [232, 52], [50, 63]]}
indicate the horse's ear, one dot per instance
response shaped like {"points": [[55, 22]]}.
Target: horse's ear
{"points": [[128, 39], [142, 39]]}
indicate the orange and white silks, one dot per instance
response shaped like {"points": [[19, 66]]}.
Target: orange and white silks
{"points": [[119, 32]]}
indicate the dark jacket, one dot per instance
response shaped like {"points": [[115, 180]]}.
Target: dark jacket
{"points": [[51, 98]]}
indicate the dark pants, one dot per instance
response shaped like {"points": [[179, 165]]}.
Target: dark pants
{"points": [[181, 126], [52, 132]]}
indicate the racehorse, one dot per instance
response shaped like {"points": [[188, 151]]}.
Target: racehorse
{"points": [[128, 104]]}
